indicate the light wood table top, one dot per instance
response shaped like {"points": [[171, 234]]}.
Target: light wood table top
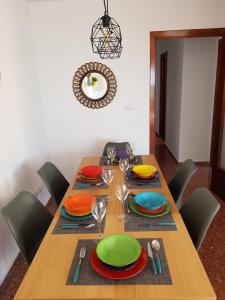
{"points": [[47, 275]]}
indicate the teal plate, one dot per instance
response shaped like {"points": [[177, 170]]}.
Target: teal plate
{"points": [[118, 250], [134, 208], [69, 217], [150, 200]]}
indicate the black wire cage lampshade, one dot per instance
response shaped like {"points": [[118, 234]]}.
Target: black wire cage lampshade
{"points": [[106, 36]]}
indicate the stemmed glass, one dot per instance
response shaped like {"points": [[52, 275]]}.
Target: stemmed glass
{"points": [[111, 153], [124, 165], [122, 193], [98, 212], [130, 150], [107, 176]]}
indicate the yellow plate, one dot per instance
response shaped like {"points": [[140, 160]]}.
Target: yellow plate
{"points": [[144, 170]]}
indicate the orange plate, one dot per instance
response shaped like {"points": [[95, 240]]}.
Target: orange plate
{"points": [[79, 203], [154, 211], [84, 179]]}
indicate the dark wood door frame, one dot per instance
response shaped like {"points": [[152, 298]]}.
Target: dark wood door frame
{"points": [[154, 35], [162, 97], [218, 173]]}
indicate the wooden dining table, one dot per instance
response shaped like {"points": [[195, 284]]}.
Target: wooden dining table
{"points": [[47, 275]]}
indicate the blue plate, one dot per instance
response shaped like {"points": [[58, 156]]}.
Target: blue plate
{"points": [[150, 200], [69, 217]]}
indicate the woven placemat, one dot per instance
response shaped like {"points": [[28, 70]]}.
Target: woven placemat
{"points": [[89, 277], [132, 184], [142, 223], [59, 230], [105, 162]]}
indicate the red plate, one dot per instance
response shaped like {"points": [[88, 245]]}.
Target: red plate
{"points": [[122, 274], [153, 211], [91, 171]]}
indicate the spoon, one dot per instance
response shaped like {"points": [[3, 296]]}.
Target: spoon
{"points": [[156, 247]]}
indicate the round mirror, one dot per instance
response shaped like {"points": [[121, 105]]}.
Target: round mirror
{"points": [[94, 85]]}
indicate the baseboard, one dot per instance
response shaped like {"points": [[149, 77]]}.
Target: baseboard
{"points": [[202, 163]]}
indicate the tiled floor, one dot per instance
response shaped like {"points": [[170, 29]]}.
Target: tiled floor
{"points": [[212, 252]]}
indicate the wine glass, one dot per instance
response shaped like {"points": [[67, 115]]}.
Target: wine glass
{"points": [[130, 150], [107, 176], [111, 153], [124, 165], [98, 212], [122, 193]]}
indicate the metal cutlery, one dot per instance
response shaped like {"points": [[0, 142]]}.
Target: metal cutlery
{"points": [[150, 254], [77, 270], [128, 206], [156, 247], [74, 226]]}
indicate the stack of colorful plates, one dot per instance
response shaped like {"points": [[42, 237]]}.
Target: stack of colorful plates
{"points": [[150, 204], [143, 175], [118, 256], [78, 207], [90, 175]]}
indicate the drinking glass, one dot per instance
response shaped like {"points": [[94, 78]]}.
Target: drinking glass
{"points": [[107, 176], [111, 153], [130, 150], [124, 165], [122, 193], [98, 212]]}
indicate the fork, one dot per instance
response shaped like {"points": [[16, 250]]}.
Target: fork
{"points": [[77, 270]]}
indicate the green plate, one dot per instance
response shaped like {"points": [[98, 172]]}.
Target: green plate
{"points": [[118, 250], [134, 208]]}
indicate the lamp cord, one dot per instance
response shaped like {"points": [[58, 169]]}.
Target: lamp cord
{"points": [[106, 5]]}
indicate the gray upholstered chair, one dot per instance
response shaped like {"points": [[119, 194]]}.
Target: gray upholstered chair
{"points": [[55, 182], [28, 220], [118, 146], [198, 213], [180, 180]]}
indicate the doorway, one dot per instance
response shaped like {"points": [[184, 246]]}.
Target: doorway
{"points": [[219, 106]]}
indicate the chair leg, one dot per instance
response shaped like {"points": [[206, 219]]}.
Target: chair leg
{"points": [[179, 202]]}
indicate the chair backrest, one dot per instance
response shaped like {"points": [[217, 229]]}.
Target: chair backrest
{"points": [[55, 182], [198, 213], [28, 220], [118, 146], [179, 182]]}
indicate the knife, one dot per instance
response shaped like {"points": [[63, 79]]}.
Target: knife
{"points": [[150, 254]]}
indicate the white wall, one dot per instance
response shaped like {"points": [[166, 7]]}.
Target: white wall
{"points": [[23, 140], [174, 89], [198, 88], [61, 31]]}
